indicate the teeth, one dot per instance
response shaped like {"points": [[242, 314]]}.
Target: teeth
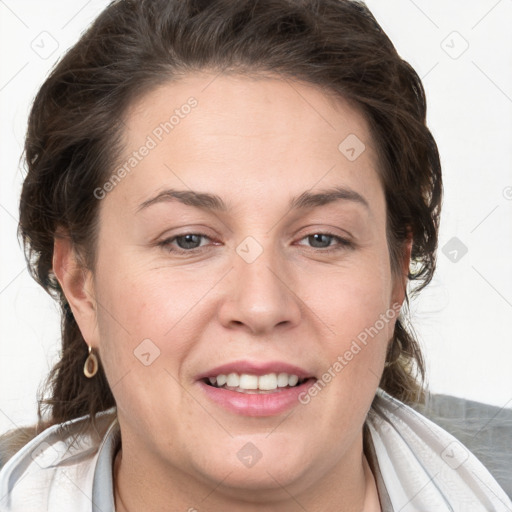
{"points": [[282, 380], [233, 380], [248, 381], [268, 382], [292, 380]]}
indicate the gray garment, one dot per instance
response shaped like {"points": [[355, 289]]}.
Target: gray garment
{"points": [[485, 429]]}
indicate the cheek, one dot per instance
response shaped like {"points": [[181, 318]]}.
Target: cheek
{"points": [[356, 309], [351, 300], [154, 311], [143, 343], [146, 302]]}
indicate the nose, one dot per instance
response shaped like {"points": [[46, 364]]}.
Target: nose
{"points": [[259, 295]]}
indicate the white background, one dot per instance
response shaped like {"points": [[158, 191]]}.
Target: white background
{"points": [[463, 319]]}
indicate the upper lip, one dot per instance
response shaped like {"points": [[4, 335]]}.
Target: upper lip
{"points": [[255, 368]]}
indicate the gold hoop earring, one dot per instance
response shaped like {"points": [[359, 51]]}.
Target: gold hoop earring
{"points": [[91, 365]]}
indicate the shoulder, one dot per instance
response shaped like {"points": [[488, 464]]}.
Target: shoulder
{"points": [[52, 468], [421, 461]]}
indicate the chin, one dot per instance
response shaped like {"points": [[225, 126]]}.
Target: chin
{"points": [[257, 466]]}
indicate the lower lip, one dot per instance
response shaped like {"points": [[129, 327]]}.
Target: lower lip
{"points": [[253, 404]]}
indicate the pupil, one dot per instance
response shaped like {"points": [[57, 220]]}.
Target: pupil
{"points": [[188, 241], [316, 237]]}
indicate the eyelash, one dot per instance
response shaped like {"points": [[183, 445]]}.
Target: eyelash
{"points": [[342, 243]]}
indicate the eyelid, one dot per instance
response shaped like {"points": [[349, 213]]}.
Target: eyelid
{"points": [[343, 242], [167, 241], [326, 229]]}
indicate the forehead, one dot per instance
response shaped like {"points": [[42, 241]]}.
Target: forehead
{"points": [[204, 130], [254, 104]]}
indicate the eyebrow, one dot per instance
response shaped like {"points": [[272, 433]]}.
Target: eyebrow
{"points": [[214, 202]]}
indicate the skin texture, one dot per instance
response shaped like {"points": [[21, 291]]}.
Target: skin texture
{"points": [[256, 143]]}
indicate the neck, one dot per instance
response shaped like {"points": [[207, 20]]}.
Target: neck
{"points": [[132, 492]]}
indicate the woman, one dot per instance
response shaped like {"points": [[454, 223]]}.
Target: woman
{"points": [[229, 199]]}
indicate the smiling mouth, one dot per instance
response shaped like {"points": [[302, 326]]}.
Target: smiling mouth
{"points": [[254, 384]]}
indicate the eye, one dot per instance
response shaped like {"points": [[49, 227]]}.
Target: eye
{"points": [[323, 241], [187, 242], [190, 242]]}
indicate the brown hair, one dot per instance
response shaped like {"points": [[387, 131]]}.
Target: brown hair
{"points": [[75, 128]]}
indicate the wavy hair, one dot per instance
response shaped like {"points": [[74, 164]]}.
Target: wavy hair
{"points": [[75, 129]]}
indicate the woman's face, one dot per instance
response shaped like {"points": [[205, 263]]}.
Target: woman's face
{"points": [[270, 259]]}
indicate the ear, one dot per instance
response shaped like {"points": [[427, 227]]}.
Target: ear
{"points": [[77, 284], [402, 278]]}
